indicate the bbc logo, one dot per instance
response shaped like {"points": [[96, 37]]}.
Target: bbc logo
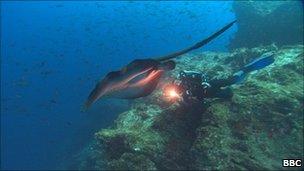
{"points": [[292, 162]]}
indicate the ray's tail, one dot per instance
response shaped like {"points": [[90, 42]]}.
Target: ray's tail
{"points": [[197, 45]]}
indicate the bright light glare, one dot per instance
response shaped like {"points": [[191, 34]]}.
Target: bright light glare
{"points": [[172, 93]]}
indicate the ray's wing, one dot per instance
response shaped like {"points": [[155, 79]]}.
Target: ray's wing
{"points": [[113, 74], [94, 95], [99, 88], [139, 65], [133, 72]]}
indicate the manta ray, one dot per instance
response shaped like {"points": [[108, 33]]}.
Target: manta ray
{"points": [[140, 77]]}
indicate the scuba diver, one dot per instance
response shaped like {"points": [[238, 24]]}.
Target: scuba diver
{"points": [[193, 86]]}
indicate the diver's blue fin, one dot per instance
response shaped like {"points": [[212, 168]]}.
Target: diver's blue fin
{"points": [[263, 61]]}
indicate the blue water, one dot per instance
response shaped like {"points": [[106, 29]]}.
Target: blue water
{"points": [[52, 54]]}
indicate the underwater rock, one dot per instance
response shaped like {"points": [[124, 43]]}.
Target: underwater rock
{"points": [[266, 22], [255, 130]]}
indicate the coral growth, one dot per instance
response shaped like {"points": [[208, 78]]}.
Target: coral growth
{"points": [[256, 129]]}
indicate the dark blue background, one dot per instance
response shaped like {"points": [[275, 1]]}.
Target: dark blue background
{"points": [[52, 53]]}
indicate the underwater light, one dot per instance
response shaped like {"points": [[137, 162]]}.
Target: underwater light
{"points": [[171, 93]]}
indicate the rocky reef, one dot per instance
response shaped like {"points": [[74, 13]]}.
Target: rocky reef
{"points": [[266, 22], [261, 125]]}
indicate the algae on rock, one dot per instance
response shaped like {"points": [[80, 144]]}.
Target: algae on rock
{"points": [[254, 130]]}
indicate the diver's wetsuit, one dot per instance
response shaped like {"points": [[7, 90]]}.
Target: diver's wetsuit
{"points": [[196, 85]]}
